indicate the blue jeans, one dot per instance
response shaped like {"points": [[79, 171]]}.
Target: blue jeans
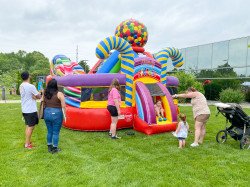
{"points": [[53, 118]]}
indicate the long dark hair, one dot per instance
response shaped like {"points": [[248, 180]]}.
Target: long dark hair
{"points": [[51, 89]]}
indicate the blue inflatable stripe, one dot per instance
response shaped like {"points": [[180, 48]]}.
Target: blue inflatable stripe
{"points": [[129, 88], [123, 45], [129, 80], [72, 103], [109, 41], [128, 64], [126, 72], [162, 56], [164, 69], [178, 56], [172, 52], [99, 53], [119, 41], [109, 63], [129, 57], [128, 95], [175, 63], [114, 41], [104, 46], [128, 103], [126, 48], [139, 106]]}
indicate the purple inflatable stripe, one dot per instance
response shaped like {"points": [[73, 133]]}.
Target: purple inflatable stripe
{"points": [[147, 103], [172, 81], [100, 79], [146, 60], [170, 101]]}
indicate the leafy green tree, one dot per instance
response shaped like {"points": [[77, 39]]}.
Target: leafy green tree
{"points": [[225, 75], [8, 79], [11, 64], [187, 80]]}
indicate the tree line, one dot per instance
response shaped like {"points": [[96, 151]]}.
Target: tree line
{"points": [[12, 64]]}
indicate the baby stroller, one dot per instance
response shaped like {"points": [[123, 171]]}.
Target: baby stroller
{"points": [[239, 128]]}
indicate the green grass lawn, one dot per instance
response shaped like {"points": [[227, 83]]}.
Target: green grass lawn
{"points": [[93, 159], [10, 97]]}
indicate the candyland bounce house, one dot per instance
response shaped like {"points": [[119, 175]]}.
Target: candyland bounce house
{"points": [[142, 76]]}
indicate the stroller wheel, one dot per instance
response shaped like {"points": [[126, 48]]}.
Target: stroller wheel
{"points": [[245, 142], [221, 136]]}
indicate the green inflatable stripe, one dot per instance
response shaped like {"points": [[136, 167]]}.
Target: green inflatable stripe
{"points": [[115, 69], [67, 92]]}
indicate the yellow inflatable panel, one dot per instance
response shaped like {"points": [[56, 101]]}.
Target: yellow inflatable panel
{"points": [[166, 107], [98, 104], [145, 80]]}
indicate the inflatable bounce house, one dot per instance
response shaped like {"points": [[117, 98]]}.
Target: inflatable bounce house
{"points": [[141, 74]]}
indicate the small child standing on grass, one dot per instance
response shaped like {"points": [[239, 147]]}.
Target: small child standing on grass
{"points": [[182, 131]]}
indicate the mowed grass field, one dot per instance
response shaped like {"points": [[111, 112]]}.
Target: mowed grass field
{"points": [[93, 159]]}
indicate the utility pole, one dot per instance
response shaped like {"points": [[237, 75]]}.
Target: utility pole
{"points": [[77, 53]]}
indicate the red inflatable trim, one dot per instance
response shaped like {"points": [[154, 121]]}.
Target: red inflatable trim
{"points": [[142, 126], [148, 54], [97, 119], [138, 49]]}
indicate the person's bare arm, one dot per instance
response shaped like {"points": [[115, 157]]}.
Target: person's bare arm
{"points": [[117, 106], [186, 95], [178, 128], [38, 96], [63, 104]]}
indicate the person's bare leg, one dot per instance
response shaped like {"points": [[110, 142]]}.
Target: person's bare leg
{"points": [[203, 133], [28, 134], [158, 112], [162, 112], [114, 121], [183, 143], [197, 134], [180, 144]]}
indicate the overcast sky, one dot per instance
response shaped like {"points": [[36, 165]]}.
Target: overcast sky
{"points": [[57, 27]]}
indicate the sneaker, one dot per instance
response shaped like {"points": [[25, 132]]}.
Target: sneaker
{"points": [[164, 119], [160, 119], [110, 134], [50, 148], [55, 150], [29, 146], [115, 137], [194, 145]]}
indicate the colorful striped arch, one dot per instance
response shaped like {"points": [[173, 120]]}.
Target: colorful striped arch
{"points": [[127, 60], [162, 57]]}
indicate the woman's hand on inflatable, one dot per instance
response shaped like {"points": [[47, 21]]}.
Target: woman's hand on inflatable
{"points": [[174, 96]]}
